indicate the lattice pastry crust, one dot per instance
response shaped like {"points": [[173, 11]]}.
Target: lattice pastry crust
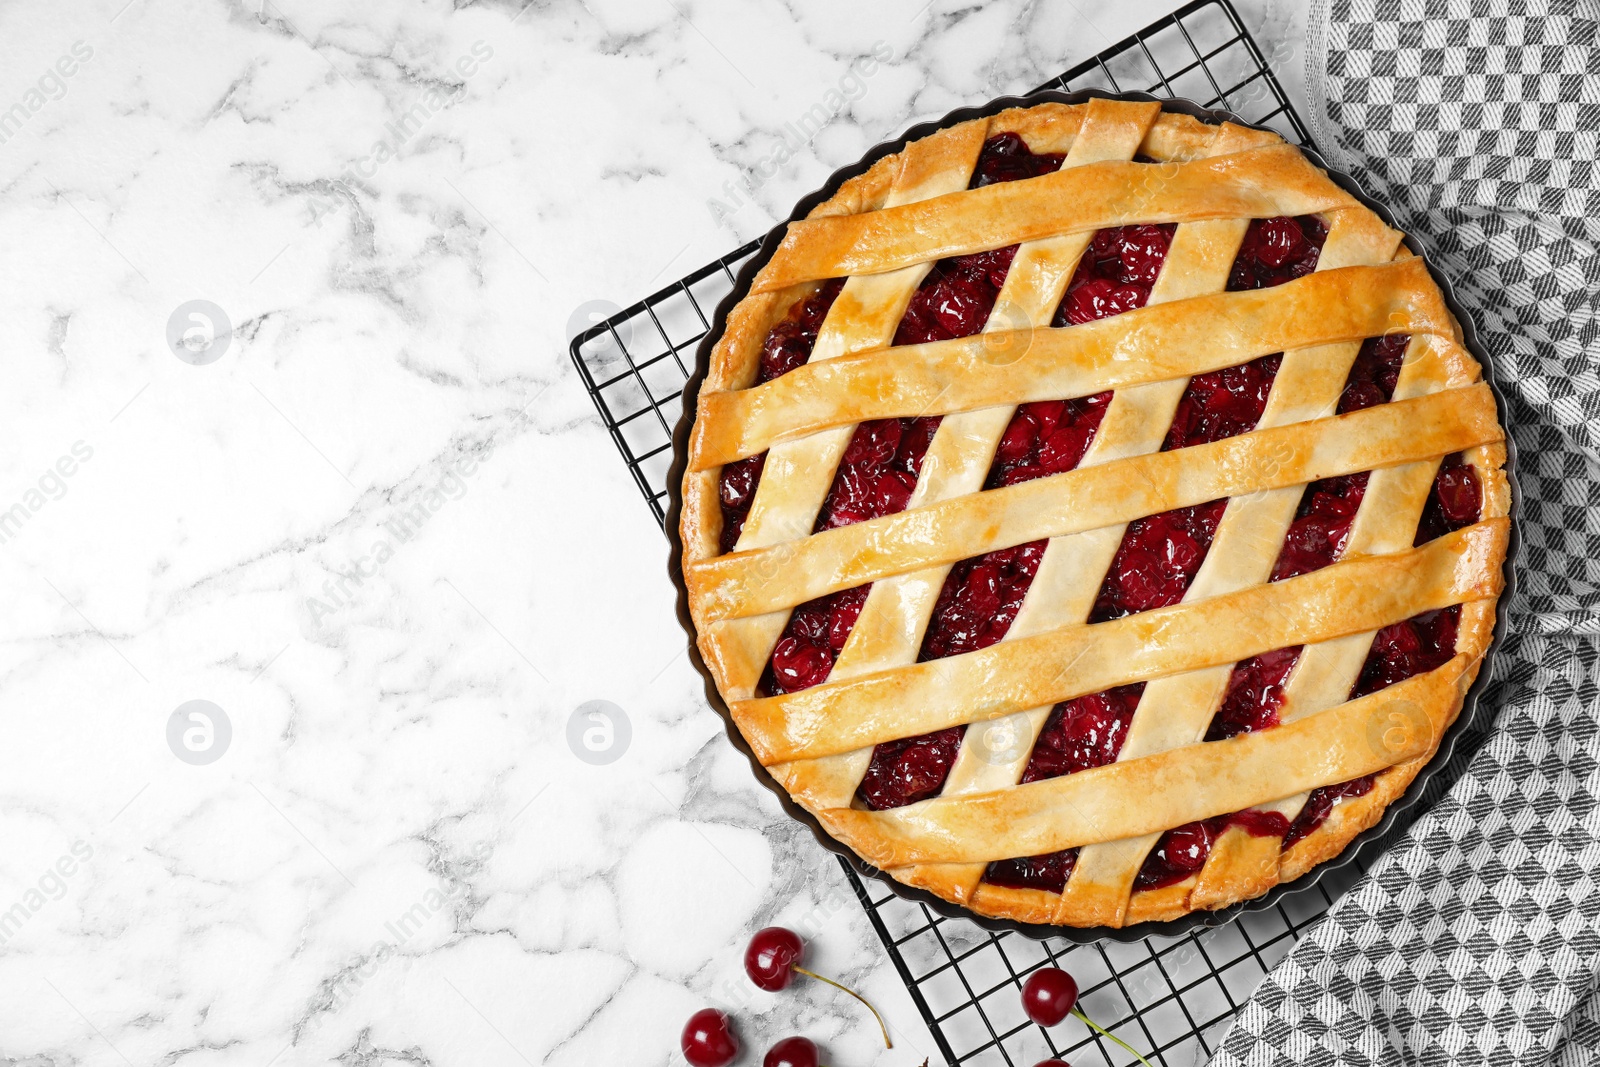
{"points": [[883, 231]]}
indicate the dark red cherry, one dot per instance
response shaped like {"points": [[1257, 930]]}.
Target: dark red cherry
{"points": [[770, 959], [1049, 995], [1278, 241], [791, 1052], [773, 957], [708, 1039], [1052, 1063], [799, 664], [1460, 498]]}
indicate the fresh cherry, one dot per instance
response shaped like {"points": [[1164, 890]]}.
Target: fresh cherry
{"points": [[1052, 1063], [770, 959], [1049, 995], [708, 1039], [773, 958], [791, 1052]]}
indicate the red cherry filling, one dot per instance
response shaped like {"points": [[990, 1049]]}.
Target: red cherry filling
{"points": [[1277, 250], [904, 772], [1082, 733], [878, 471], [1046, 437], [979, 600], [1455, 501], [1157, 560], [790, 342], [1374, 373], [811, 641], [1223, 403], [1320, 803], [1414, 646], [1178, 854], [1183, 851], [1321, 526], [1006, 158], [1048, 872], [1255, 691], [956, 297], [1115, 273]]}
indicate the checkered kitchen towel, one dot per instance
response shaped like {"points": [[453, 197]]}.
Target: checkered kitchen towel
{"points": [[1476, 938]]}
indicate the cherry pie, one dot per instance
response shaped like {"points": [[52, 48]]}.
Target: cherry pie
{"points": [[1092, 515]]}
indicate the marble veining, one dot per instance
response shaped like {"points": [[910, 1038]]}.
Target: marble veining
{"points": [[383, 532]]}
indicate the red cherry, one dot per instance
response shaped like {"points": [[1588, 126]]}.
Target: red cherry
{"points": [[799, 664], [773, 958], [1052, 1063], [1460, 497], [1278, 240], [1049, 995], [770, 959], [708, 1039], [791, 1052]]}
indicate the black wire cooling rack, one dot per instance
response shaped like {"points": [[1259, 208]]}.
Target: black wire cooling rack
{"points": [[1171, 997]]}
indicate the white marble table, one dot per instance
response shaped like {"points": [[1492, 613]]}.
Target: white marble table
{"points": [[383, 531]]}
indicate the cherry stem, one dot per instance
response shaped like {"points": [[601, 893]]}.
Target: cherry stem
{"points": [[812, 974], [1096, 1026]]}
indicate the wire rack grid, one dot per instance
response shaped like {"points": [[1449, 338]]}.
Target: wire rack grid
{"points": [[1172, 997]]}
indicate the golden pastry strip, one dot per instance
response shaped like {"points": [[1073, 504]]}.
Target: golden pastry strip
{"points": [[1136, 797], [1162, 341], [752, 583], [1255, 184], [1348, 597]]}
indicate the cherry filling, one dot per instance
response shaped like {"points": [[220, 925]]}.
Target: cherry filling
{"points": [[1048, 872], [1006, 158], [1255, 692], [1157, 560], [786, 347], [956, 297], [1116, 273], [1414, 646], [1083, 733], [1320, 803], [1455, 501], [1179, 853], [1183, 851], [904, 772], [811, 641], [1277, 250], [878, 471], [979, 600], [1046, 437]]}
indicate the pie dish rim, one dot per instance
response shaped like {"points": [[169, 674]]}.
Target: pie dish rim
{"points": [[1361, 845]]}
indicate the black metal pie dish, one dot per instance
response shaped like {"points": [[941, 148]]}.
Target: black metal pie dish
{"points": [[1363, 846]]}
